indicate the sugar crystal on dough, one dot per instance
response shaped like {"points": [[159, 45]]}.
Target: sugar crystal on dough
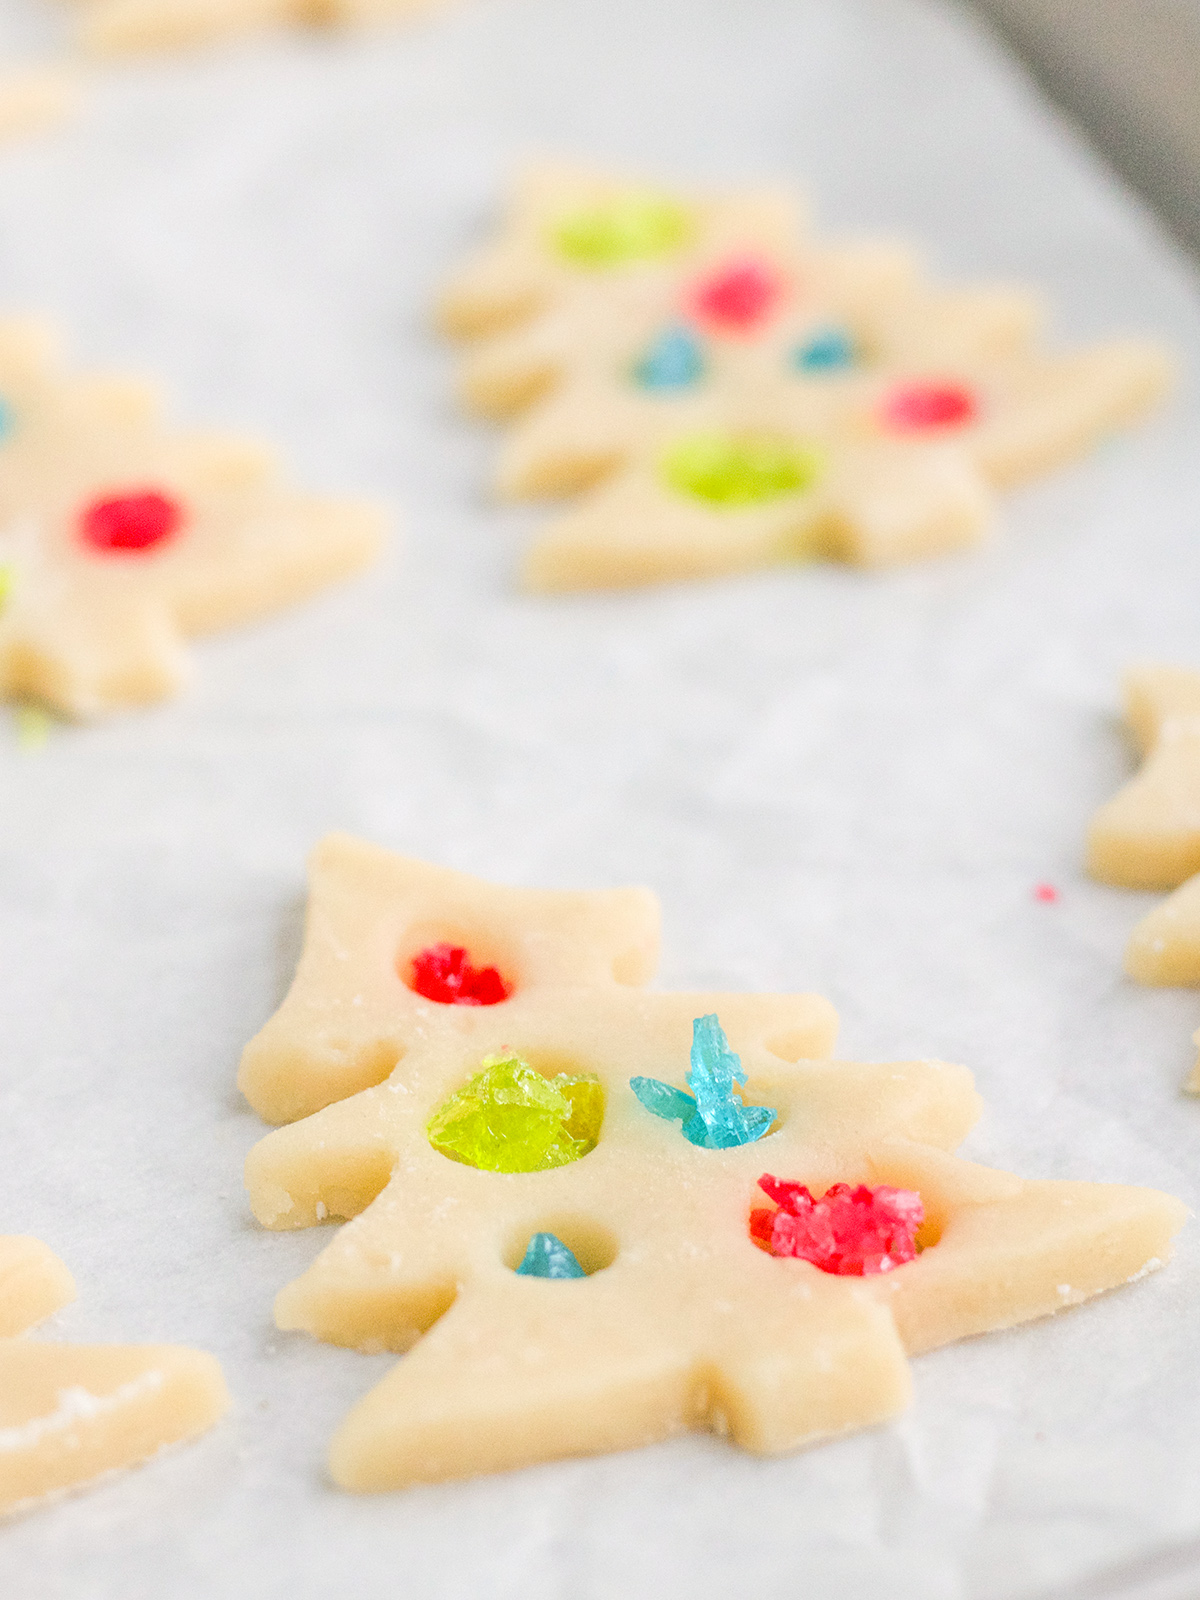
{"points": [[712, 1116], [443, 972], [674, 360], [851, 1231], [548, 1257], [828, 350], [738, 297], [510, 1118], [739, 470], [631, 227]]}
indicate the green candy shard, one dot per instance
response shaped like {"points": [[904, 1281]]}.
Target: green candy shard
{"points": [[634, 227], [7, 580], [585, 1095], [509, 1118], [733, 471]]}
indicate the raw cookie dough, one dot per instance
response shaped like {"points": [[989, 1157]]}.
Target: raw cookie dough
{"points": [[569, 225], [1148, 835], [119, 538], [604, 331], [682, 1322], [744, 326], [34, 1284], [1164, 949], [884, 492], [70, 1413], [112, 27], [35, 98], [870, 504]]}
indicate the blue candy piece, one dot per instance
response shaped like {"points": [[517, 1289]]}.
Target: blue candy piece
{"points": [[712, 1116], [663, 1099], [674, 361], [828, 351], [8, 418], [546, 1256]]}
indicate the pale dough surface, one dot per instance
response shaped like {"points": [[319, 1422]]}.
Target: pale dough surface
{"points": [[71, 1413], [835, 781], [598, 327], [579, 335], [519, 275], [682, 1322], [1148, 835], [35, 98], [875, 504], [89, 632]]}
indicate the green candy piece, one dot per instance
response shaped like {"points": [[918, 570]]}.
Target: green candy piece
{"points": [[509, 1118], [635, 227], [7, 580], [731, 471]]}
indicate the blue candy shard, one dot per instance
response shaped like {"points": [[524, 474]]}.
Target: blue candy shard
{"points": [[8, 418], [663, 1099], [828, 351], [674, 361], [546, 1256], [712, 1116]]}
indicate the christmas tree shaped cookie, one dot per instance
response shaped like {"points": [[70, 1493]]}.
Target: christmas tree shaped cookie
{"points": [[71, 1413], [633, 343], [119, 537], [567, 1300], [111, 27]]}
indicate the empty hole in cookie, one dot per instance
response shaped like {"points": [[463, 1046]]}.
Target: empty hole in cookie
{"points": [[457, 962], [366, 1065], [592, 1244], [793, 1044], [350, 1180]]}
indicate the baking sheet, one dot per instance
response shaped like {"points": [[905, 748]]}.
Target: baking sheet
{"points": [[834, 781]]}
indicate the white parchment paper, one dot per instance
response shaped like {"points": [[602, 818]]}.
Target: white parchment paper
{"points": [[834, 781]]}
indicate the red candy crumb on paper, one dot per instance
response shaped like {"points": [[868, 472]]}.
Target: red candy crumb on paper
{"points": [[850, 1231], [913, 407], [737, 297], [443, 972], [135, 521], [1046, 893]]}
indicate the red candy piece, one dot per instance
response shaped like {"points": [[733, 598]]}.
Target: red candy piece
{"points": [[1046, 893], [852, 1232], [135, 521], [444, 973], [737, 297], [914, 407]]}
